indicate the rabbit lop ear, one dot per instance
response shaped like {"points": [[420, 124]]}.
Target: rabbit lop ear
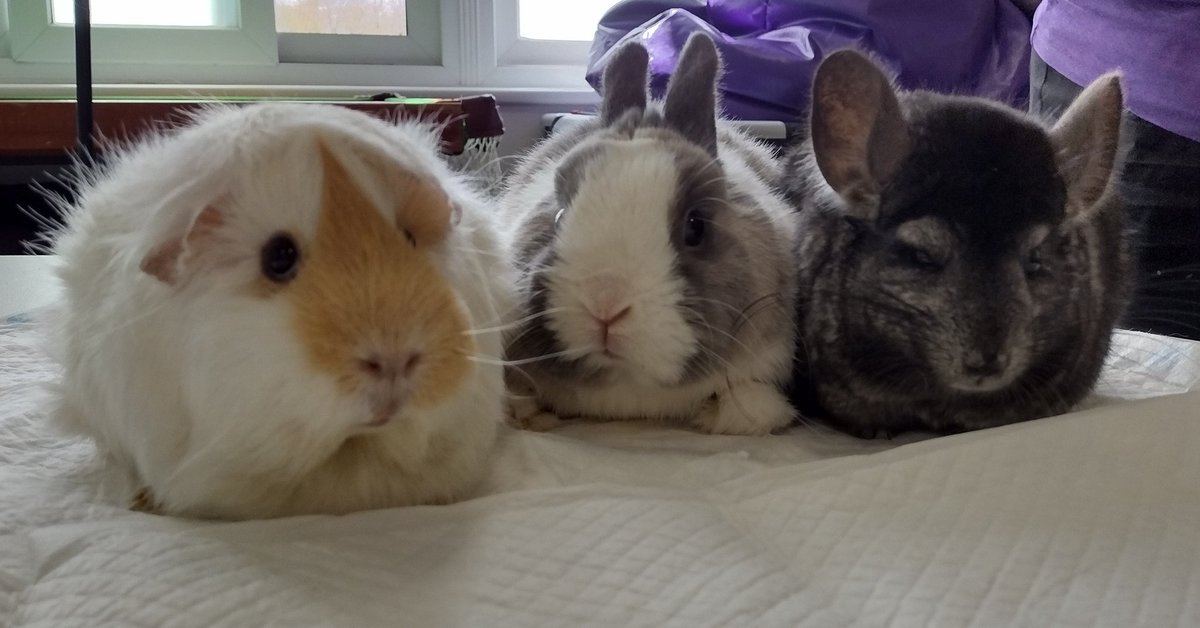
{"points": [[1085, 141], [625, 82], [859, 135], [185, 229], [691, 103]]}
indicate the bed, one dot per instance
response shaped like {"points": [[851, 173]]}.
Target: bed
{"points": [[1086, 519]]}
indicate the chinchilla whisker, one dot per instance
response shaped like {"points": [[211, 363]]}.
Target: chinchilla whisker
{"points": [[1170, 321]]}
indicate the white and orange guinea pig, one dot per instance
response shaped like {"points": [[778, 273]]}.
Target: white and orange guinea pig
{"points": [[284, 309]]}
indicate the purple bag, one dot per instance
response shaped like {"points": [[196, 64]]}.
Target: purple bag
{"points": [[771, 48]]}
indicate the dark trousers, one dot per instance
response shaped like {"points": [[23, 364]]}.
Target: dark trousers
{"points": [[1160, 185]]}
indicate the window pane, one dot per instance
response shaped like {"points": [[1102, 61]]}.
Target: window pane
{"points": [[341, 17], [148, 13], [555, 19]]}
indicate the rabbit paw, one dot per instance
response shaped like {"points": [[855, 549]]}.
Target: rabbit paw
{"points": [[524, 413], [748, 408]]}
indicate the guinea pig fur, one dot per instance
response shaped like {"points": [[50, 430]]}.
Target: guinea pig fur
{"points": [[962, 264], [273, 310], [655, 263]]}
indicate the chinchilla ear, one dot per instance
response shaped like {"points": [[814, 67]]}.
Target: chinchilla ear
{"points": [[1085, 141], [625, 83], [859, 135], [691, 103]]}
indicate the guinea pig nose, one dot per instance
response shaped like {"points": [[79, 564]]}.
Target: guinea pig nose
{"points": [[388, 367]]}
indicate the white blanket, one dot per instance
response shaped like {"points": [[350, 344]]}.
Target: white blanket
{"points": [[1088, 519]]}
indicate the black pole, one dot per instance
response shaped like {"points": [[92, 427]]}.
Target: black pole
{"points": [[83, 77]]}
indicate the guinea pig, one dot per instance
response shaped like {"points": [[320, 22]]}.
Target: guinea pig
{"points": [[961, 264], [655, 263], [275, 310]]}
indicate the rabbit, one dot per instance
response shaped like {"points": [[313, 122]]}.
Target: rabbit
{"points": [[961, 264], [654, 258], [272, 311]]}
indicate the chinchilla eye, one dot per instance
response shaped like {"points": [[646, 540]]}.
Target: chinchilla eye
{"points": [[694, 227], [917, 258], [280, 258], [1034, 264], [558, 215]]}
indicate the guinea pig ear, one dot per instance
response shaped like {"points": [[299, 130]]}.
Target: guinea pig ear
{"points": [[625, 82], [691, 103], [411, 202], [185, 232], [1086, 139], [859, 134]]}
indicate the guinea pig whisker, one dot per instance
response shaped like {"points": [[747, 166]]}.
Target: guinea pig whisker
{"points": [[529, 379], [512, 325], [541, 358]]}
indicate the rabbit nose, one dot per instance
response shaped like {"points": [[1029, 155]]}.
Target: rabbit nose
{"points": [[605, 292], [388, 367], [985, 364], [608, 320]]}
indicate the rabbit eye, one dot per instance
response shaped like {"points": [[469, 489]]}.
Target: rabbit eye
{"points": [[558, 215], [280, 258], [917, 258], [694, 228]]}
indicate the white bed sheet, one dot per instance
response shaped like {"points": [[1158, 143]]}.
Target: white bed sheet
{"points": [[1088, 519]]}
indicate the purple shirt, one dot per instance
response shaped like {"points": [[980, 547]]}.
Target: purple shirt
{"points": [[1155, 43]]}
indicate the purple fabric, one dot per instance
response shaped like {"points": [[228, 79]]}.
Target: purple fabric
{"points": [[1155, 43], [771, 48]]}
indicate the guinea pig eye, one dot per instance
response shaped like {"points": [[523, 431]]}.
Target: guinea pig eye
{"points": [[694, 228], [558, 215], [280, 258], [917, 258]]}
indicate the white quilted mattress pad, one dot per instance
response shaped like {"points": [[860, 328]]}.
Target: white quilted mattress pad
{"points": [[1087, 519]]}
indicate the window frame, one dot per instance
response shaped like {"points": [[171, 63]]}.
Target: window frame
{"points": [[454, 46], [514, 52]]}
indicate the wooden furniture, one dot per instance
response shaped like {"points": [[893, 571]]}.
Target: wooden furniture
{"points": [[44, 130]]}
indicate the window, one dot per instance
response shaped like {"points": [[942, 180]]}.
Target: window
{"points": [[135, 31], [187, 13], [342, 17], [546, 19], [434, 47], [532, 37]]}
